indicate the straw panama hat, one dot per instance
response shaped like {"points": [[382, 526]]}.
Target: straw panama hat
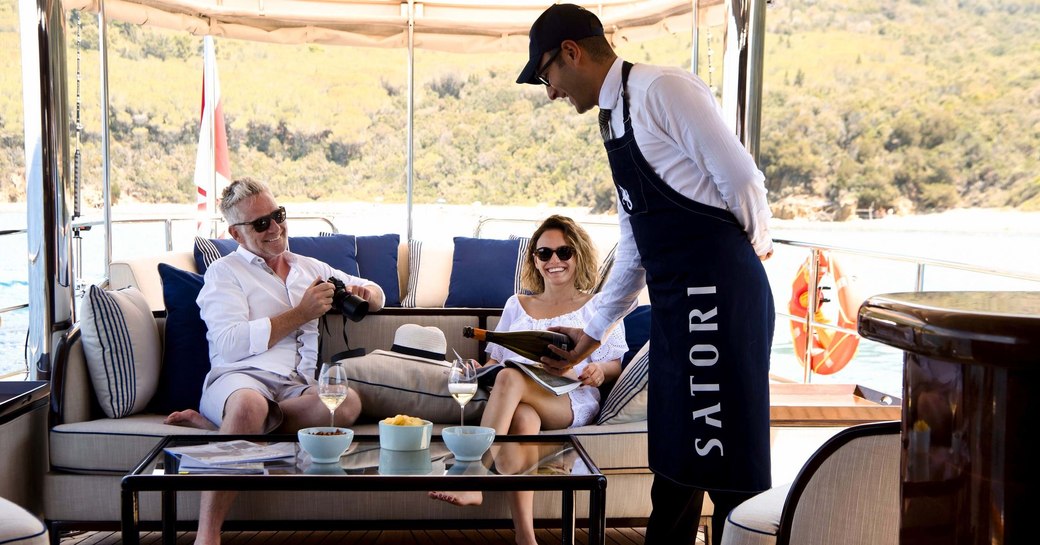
{"points": [[422, 341]]}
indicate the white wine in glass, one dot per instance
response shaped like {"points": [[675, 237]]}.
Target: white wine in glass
{"points": [[332, 388], [462, 383]]}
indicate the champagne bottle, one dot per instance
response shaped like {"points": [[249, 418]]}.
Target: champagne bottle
{"points": [[532, 344]]}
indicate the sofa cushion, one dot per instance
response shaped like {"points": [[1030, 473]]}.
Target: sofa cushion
{"points": [[429, 268], [337, 250], [377, 261], [108, 445], [390, 383], [121, 346], [20, 527], [484, 272], [208, 250], [757, 520], [637, 331], [185, 355], [627, 399]]}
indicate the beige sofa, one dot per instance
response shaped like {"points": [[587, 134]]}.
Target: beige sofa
{"points": [[89, 453]]}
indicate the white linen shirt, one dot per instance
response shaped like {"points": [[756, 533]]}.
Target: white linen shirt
{"points": [[680, 131], [239, 297]]}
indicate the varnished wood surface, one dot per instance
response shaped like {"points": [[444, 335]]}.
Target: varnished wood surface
{"points": [[614, 536]]}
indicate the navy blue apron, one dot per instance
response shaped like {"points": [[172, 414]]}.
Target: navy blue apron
{"points": [[711, 330]]}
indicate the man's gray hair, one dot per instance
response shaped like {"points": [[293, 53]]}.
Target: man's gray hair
{"points": [[236, 192]]}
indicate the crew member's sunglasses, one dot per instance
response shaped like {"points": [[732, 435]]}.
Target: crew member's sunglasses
{"points": [[540, 73], [563, 252], [262, 223]]}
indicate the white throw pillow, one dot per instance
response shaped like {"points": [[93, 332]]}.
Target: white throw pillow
{"points": [[429, 272], [627, 399], [390, 383], [121, 346]]}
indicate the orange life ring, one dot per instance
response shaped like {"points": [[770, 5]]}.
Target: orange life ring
{"points": [[831, 349]]}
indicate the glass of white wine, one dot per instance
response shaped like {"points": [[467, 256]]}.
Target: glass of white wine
{"points": [[332, 388], [462, 383]]}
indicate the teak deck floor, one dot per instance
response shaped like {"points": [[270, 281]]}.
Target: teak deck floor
{"points": [[614, 536]]}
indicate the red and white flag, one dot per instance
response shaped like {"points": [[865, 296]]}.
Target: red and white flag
{"points": [[212, 164]]}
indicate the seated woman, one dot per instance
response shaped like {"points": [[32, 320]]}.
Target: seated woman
{"points": [[561, 272]]}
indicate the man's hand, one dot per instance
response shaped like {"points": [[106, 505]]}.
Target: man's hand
{"points": [[316, 301], [584, 346]]}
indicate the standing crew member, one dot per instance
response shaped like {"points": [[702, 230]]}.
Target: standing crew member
{"points": [[694, 229]]}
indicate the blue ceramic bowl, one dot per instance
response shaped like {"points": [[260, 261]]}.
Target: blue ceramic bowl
{"points": [[325, 444], [468, 443]]}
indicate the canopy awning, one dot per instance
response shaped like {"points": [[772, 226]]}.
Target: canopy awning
{"points": [[445, 25]]}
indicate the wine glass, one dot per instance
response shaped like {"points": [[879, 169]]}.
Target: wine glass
{"points": [[462, 383], [332, 388]]}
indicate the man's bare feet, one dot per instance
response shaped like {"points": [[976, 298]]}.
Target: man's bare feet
{"points": [[189, 418], [459, 498]]}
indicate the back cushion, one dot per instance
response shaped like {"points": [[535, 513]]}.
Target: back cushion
{"points": [[185, 355], [337, 251], [208, 250], [377, 261], [121, 347], [484, 272]]}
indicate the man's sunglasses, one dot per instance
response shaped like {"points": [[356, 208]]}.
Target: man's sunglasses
{"points": [[563, 252], [540, 74], [262, 223]]}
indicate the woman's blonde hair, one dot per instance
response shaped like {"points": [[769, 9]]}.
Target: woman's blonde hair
{"points": [[586, 259]]}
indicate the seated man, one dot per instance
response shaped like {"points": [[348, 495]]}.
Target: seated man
{"points": [[261, 305]]}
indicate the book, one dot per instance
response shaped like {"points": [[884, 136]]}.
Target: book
{"points": [[232, 457], [554, 383]]}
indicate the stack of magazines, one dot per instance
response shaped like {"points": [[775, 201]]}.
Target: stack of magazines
{"points": [[233, 457]]}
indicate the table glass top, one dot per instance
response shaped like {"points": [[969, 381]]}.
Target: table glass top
{"points": [[552, 455]]}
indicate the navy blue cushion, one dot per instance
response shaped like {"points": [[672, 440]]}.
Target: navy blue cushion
{"points": [[208, 250], [377, 261], [637, 331], [185, 349], [337, 251], [483, 272]]}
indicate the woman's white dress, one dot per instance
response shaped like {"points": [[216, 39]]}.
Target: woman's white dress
{"points": [[585, 399]]}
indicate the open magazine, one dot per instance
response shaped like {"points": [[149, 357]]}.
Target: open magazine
{"points": [[232, 456], [554, 383]]}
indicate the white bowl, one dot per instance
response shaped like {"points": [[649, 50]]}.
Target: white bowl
{"points": [[405, 437], [325, 449], [468, 443], [405, 462]]}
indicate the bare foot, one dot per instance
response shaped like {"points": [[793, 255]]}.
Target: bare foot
{"points": [[189, 418], [459, 498]]}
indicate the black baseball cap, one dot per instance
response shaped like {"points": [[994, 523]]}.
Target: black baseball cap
{"points": [[558, 23]]}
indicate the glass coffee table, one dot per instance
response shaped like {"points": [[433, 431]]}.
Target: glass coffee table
{"points": [[536, 462]]}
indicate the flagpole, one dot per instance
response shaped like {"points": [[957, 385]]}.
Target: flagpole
{"points": [[209, 83]]}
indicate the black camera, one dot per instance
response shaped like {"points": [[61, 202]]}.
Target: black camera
{"points": [[347, 303]]}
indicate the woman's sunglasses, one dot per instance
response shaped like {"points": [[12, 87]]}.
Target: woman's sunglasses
{"points": [[563, 252], [262, 223]]}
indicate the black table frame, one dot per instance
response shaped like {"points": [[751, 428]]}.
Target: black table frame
{"points": [[170, 484]]}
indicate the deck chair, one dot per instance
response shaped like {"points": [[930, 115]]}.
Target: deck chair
{"points": [[847, 493]]}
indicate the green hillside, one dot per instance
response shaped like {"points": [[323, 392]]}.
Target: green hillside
{"points": [[919, 105]]}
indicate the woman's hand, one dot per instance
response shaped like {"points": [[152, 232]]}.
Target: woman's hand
{"points": [[592, 375]]}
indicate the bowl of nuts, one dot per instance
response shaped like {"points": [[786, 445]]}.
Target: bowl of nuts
{"points": [[325, 444]]}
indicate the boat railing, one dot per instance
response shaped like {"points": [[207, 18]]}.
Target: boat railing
{"points": [[921, 264]]}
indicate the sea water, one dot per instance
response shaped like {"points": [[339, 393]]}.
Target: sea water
{"points": [[1008, 241]]}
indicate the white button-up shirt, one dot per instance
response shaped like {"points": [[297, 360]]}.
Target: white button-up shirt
{"points": [[680, 131], [239, 297]]}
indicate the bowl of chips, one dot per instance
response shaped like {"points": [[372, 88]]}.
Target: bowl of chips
{"points": [[403, 432]]}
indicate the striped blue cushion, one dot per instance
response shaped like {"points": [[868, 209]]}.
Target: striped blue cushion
{"points": [[627, 399], [414, 260], [121, 346]]}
